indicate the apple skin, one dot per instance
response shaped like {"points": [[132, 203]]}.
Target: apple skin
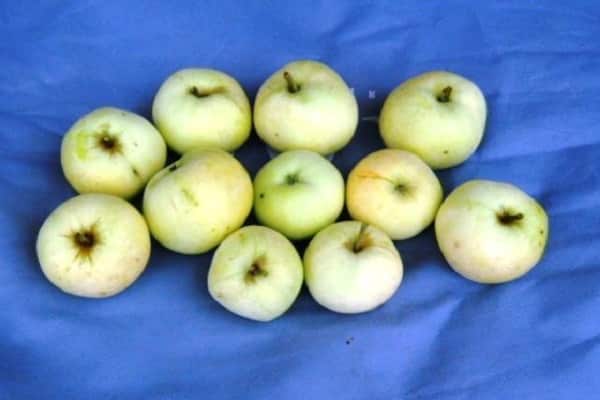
{"points": [[395, 191], [202, 108], [475, 242], [443, 134], [112, 151], [93, 245], [255, 273], [321, 116], [352, 267], [298, 193], [192, 204]]}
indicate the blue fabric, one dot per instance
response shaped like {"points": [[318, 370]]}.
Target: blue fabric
{"points": [[440, 337]]}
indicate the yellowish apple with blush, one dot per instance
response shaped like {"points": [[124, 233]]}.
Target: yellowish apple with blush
{"points": [[395, 191]]}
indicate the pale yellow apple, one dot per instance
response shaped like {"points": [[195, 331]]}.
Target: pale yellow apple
{"points": [[198, 107], [112, 151], [255, 273], [305, 105], [192, 204], [395, 191], [352, 267], [93, 245], [491, 232], [438, 115]]}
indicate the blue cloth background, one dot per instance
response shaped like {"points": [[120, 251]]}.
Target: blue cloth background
{"points": [[440, 337]]}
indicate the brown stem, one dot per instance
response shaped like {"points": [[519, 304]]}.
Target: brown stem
{"points": [[444, 97], [292, 86]]}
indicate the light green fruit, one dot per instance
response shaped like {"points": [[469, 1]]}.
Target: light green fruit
{"points": [[93, 245], [298, 193], [395, 191], [438, 115], [202, 108], [111, 151], [305, 105], [491, 232], [192, 204], [255, 273], [352, 267]]}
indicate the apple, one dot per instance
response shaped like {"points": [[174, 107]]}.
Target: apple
{"points": [[93, 245], [395, 191], [438, 115], [298, 193], [491, 232], [305, 105], [255, 273], [192, 204], [111, 151], [352, 267], [202, 108]]}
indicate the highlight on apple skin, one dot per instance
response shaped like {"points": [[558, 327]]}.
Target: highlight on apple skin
{"points": [[192, 204], [198, 107], [111, 151], [305, 105], [352, 267], [491, 232], [395, 191], [93, 245], [298, 193], [440, 116], [255, 273]]}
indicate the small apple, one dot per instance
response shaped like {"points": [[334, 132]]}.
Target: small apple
{"points": [[395, 191], [491, 232], [305, 105], [192, 204], [439, 115], [298, 193], [111, 151], [202, 108], [352, 267], [93, 245], [255, 273]]}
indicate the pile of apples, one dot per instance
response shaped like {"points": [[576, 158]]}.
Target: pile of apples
{"points": [[97, 244]]}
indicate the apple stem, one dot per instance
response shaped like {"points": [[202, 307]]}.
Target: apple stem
{"points": [[199, 93], [292, 86], [358, 244], [507, 218], [444, 97]]}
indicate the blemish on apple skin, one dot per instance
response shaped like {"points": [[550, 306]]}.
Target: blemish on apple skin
{"points": [[445, 151], [456, 244], [262, 195], [189, 196]]}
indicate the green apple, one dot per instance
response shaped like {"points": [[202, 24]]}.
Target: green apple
{"points": [[111, 151], [305, 105], [439, 115], [192, 204], [352, 267], [395, 191], [298, 193], [202, 108], [491, 232], [255, 273], [93, 245]]}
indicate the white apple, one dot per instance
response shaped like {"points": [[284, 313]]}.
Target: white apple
{"points": [[202, 108], [439, 115], [93, 245], [112, 151], [255, 273], [192, 204], [491, 232], [352, 267], [305, 105], [395, 191], [298, 193]]}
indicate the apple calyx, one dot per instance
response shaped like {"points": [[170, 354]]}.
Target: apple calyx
{"points": [[361, 242], [85, 240], [291, 179], [202, 93], [401, 188], [292, 85], [255, 271], [108, 142], [507, 217], [444, 96], [173, 167]]}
